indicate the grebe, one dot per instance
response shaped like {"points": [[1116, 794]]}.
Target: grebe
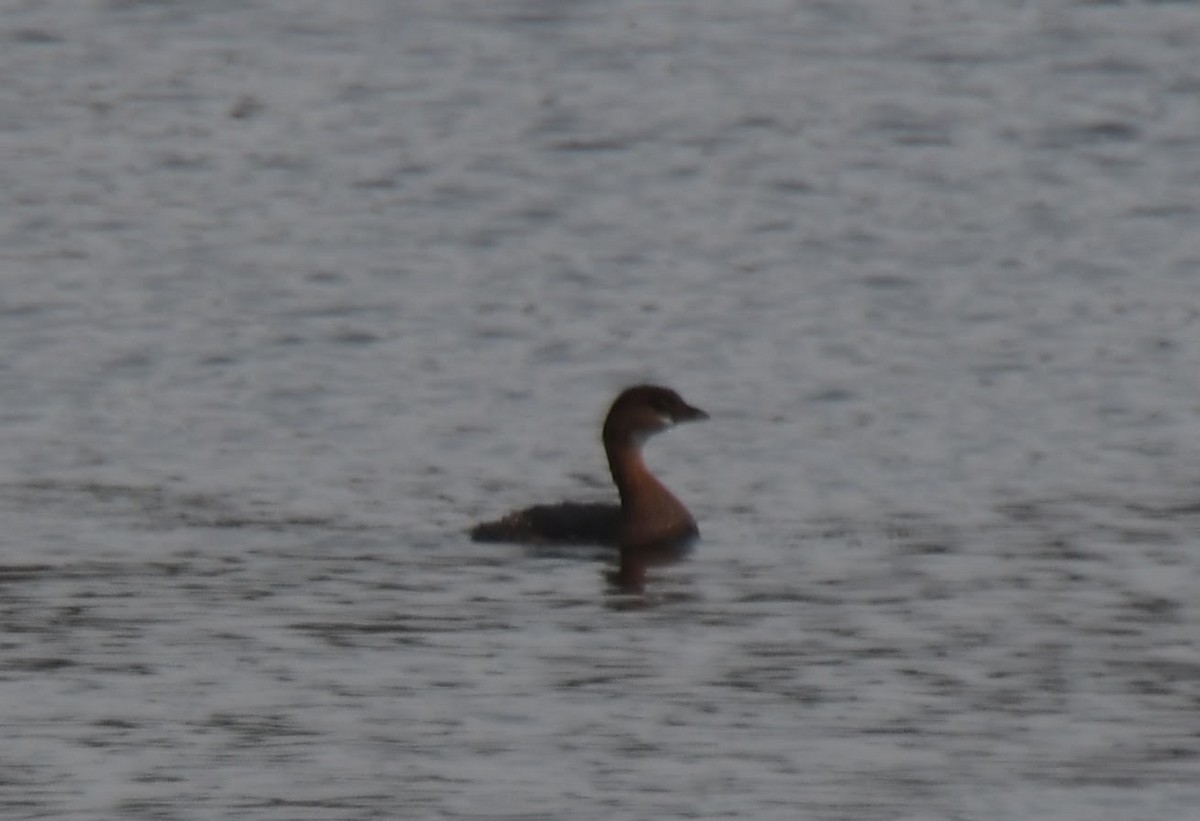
{"points": [[649, 517]]}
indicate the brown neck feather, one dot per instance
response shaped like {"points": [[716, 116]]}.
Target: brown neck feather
{"points": [[649, 512]]}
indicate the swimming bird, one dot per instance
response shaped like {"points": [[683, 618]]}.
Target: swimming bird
{"points": [[649, 518]]}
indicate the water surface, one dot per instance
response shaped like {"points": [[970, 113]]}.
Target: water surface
{"points": [[291, 294]]}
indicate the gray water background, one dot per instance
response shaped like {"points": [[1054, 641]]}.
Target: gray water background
{"points": [[293, 293]]}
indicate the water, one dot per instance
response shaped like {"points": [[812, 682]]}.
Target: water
{"points": [[294, 293]]}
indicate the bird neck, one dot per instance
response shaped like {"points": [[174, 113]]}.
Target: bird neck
{"points": [[649, 512]]}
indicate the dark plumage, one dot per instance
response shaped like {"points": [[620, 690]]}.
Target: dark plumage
{"points": [[566, 523], [649, 514]]}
